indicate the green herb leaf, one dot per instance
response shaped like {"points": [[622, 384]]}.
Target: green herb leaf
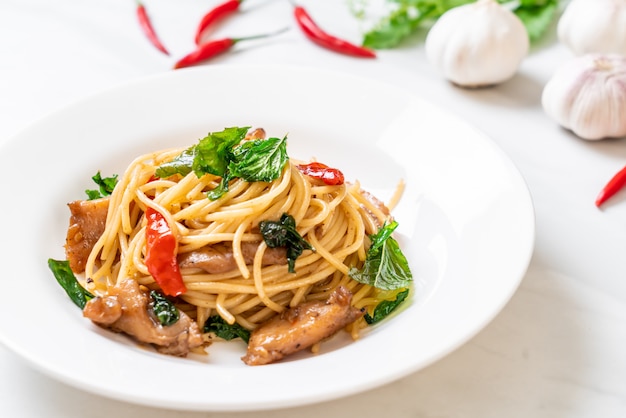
{"points": [[385, 266], [259, 160], [106, 186], [66, 278], [215, 324], [284, 234], [164, 309], [397, 26], [214, 152], [221, 154], [386, 307], [181, 164], [537, 16], [210, 155], [406, 16]]}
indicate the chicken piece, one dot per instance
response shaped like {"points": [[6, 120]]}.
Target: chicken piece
{"points": [[219, 258], [300, 327], [257, 133], [87, 222], [128, 309]]}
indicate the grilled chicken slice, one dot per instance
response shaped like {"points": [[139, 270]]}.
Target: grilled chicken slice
{"points": [[219, 258], [87, 222], [300, 327], [128, 309]]}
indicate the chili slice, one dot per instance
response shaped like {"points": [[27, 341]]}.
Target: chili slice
{"points": [[319, 36], [216, 14], [617, 182], [148, 29], [161, 248], [330, 176]]}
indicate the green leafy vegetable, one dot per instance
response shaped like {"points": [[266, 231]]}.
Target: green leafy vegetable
{"points": [[224, 155], [406, 16], [106, 186], [386, 307], [165, 311], [65, 277], [260, 160], [385, 266], [215, 324], [283, 233]]}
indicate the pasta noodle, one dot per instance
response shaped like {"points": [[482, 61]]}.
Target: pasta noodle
{"points": [[335, 219]]}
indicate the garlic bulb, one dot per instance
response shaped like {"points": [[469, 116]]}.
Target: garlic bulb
{"points": [[588, 96], [477, 44], [588, 26]]}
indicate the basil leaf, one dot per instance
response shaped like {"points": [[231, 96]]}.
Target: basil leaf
{"points": [[214, 152], [386, 307], [215, 324], [164, 309], [259, 160], [181, 164], [210, 155], [65, 277], [106, 186], [283, 233], [385, 266]]}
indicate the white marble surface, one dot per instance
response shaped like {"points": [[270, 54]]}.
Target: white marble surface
{"points": [[557, 349]]}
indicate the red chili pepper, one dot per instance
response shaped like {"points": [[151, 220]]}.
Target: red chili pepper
{"points": [[324, 39], [161, 247], [613, 186], [218, 13], [148, 29], [330, 176], [213, 48]]}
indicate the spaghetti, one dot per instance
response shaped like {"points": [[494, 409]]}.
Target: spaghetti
{"points": [[242, 279]]}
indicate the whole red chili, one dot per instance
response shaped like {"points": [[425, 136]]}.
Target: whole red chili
{"points": [[324, 39], [612, 187], [210, 49], [161, 248], [216, 14], [148, 29], [330, 176]]}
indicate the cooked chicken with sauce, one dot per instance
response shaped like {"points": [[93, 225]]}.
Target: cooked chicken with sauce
{"points": [[127, 309], [219, 258], [87, 222], [301, 327]]}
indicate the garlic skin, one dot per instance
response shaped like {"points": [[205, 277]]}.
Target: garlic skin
{"points": [[588, 26], [587, 95], [477, 44]]}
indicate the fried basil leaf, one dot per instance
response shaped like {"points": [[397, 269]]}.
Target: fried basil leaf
{"points": [[283, 233], [385, 266], [259, 160], [66, 278], [164, 309], [386, 307], [215, 324], [105, 186]]}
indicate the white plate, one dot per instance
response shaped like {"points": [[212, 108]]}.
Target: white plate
{"points": [[466, 226]]}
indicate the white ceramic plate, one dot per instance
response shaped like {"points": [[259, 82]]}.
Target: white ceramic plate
{"points": [[466, 226]]}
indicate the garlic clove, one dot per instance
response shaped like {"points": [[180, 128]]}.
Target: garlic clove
{"points": [[477, 44], [587, 95], [594, 26]]}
